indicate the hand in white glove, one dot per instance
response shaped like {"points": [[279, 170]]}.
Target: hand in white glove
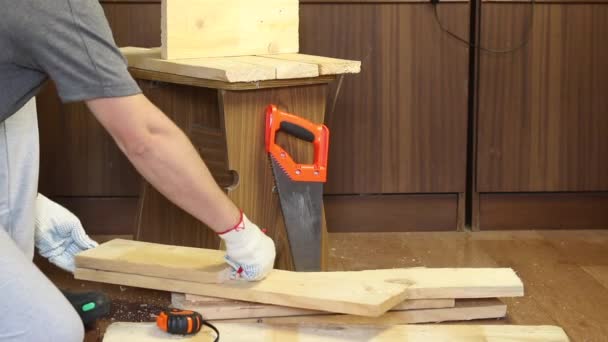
{"points": [[59, 234], [249, 252]]}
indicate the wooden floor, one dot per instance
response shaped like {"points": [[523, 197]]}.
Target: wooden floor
{"points": [[565, 273]]}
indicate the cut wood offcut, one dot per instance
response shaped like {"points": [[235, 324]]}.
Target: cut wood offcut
{"points": [[366, 293]]}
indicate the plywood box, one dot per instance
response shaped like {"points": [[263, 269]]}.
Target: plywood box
{"points": [[219, 28]]}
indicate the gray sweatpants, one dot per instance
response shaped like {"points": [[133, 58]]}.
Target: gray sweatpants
{"points": [[33, 308]]}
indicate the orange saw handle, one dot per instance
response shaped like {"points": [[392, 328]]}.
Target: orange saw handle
{"points": [[317, 134]]}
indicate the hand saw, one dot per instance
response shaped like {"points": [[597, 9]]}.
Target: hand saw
{"points": [[300, 186]]}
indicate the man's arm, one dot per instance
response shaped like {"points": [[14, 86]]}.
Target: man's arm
{"points": [[164, 156], [162, 153]]}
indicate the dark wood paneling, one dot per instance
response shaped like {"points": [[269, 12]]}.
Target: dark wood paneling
{"points": [[103, 215], [391, 213], [400, 125], [134, 23], [196, 111], [543, 110], [543, 211], [77, 156]]}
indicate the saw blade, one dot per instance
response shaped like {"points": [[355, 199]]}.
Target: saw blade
{"points": [[301, 204]]}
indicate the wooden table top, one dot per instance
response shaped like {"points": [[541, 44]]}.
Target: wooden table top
{"points": [[240, 72]]}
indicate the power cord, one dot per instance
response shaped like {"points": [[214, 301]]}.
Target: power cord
{"points": [[525, 42]]}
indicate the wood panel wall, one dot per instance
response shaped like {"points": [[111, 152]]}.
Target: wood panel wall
{"points": [[542, 147], [398, 129], [543, 111], [400, 125]]}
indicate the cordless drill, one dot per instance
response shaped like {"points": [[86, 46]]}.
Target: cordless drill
{"points": [[89, 305]]}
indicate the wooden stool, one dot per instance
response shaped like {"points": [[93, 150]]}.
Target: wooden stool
{"points": [[225, 122]]}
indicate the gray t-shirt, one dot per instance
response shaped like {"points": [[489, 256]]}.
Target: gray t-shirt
{"points": [[68, 41]]}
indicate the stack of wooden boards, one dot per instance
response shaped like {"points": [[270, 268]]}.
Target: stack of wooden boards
{"points": [[241, 68], [348, 299]]}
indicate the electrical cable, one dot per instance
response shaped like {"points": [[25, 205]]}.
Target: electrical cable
{"points": [[525, 42]]}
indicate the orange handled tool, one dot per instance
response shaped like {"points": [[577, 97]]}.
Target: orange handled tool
{"points": [[183, 322], [318, 134], [300, 186]]}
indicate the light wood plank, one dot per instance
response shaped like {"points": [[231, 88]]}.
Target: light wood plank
{"points": [[129, 256], [217, 28], [327, 65], [252, 332], [368, 299], [410, 304], [368, 293], [221, 68], [285, 69], [218, 308], [205, 266], [349, 295], [242, 68], [465, 310]]}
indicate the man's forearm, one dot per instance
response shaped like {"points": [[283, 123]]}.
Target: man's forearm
{"points": [[164, 156]]}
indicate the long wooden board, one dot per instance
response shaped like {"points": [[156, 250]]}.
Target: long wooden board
{"points": [[218, 308], [327, 65], [465, 310], [368, 293], [409, 304], [242, 68], [253, 332], [221, 69], [218, 28], [370, 299]]}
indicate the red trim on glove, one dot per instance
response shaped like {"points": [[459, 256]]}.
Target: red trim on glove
{"points": [[237, 226]]}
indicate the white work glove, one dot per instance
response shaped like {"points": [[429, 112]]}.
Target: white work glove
{"points": [[249, 252], [59, 234]]}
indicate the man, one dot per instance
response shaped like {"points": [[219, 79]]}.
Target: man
{"points": [[69, 41]]}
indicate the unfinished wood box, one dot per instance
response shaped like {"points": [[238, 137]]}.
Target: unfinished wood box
{"points": [[219, 28]]}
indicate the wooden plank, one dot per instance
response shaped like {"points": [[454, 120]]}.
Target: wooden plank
{"points": [[253, 332], [410, 304], [285, 69], [152, 75], [165, 261], [218, 308], [205, 266], [242, 68], [221, 69], [216, 28], [367, 299], [466, 310], [357, 293], [327, 65]]}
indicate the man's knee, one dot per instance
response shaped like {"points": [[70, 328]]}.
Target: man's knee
{"points": [[65, 325]]}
